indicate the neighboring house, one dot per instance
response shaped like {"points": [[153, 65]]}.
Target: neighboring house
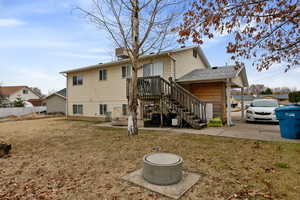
{"points": [[236, 100], [56, 102], [283, 99], [26, 93], [100, 90]]}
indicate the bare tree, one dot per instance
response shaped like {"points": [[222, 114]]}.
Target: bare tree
{"points": [[139, 26]]}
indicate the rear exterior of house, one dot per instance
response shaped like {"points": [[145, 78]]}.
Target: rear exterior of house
{"points": [[179, 82], [100, 89]]}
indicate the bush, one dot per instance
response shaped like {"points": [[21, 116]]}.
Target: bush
{"points": [[294, 97]]}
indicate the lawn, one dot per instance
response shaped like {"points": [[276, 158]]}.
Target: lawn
{"points": [[60, 159]]}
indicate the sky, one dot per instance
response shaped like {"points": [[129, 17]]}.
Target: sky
{"points": [[40, 38]]}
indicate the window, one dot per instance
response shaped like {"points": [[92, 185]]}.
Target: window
{"points": [[126, 71], [153, 69], [77, 109], [195, 52], [124, 109], [77, 80], [103, 109], [103, 74], [25, 91]]}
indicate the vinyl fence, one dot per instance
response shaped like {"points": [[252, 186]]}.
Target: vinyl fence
{"points": [[4, 112]]}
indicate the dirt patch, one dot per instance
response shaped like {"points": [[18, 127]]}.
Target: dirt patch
{"points": [[59, 159]]}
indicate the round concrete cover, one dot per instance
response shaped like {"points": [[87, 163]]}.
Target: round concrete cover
{"points": [[163, 158], [162, 168]]}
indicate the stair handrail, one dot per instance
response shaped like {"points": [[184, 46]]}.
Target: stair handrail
{"points": [[186, 91]]}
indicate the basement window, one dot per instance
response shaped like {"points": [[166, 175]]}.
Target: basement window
{"points": [[102, 109], [77, 109], [125, 109]]}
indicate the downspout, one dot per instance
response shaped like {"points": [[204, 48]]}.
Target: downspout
{"points": [[66, 75], [173, 66], [228, 99]]}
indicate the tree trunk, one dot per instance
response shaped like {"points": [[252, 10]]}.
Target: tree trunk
{"points": [[133, 102]]}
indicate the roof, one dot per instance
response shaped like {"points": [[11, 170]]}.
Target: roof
{"points": [[9, 90], [161, 53], [214, 73], [246, 97], [252, 97], [277, 96], [61, 93]]}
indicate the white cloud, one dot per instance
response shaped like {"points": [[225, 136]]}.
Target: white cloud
{"points": [[10, 22]]}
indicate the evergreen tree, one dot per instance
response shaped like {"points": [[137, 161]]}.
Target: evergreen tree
{"points": [[19, 102]]}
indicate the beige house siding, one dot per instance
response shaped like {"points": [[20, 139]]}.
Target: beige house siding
{"points": [[112, 91], [186, 62], [56, 104], [26, 97]]}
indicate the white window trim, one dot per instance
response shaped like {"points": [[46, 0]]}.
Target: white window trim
{"points": [[77, 75], [100, 109], [77, 109], [102, 73], [152, 64], [127, 67]]}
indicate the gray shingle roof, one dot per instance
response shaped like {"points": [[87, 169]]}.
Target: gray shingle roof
{"points": [[210, 74], [277, 96], [62, 92], [252, 97], [246, 97]]}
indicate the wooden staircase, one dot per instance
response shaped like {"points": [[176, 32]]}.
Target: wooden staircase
{"points": [[173, 99]]}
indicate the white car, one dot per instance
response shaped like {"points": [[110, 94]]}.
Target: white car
{"points": [[262, 110]]}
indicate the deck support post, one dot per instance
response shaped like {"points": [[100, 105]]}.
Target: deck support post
{"points": [[161, 113], [242, 104], [228, 96]]}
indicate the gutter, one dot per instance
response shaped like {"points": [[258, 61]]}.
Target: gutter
{"points": [[65, 75], [174, 66]]}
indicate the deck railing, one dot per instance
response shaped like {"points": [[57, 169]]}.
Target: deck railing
{"points": [[155, 87]]}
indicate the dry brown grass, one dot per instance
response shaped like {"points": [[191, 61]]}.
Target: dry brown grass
{"points": [[59, 159]]}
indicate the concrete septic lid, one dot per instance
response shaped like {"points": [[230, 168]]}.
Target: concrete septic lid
{"points": [[163, 158], [162, 168]]}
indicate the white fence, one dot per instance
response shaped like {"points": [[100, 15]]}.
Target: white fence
{"points": [[4, 112]]}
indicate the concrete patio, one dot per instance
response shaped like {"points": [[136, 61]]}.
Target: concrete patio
{"points": [[241, 129]]}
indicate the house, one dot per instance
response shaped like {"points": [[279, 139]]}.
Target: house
{"points": [[26, 93], [56, 102], [214, 86], [283, 99], [169, 82], [237, 98]]}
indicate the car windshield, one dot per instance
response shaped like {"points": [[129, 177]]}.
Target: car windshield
{"points": [[264, 104]]}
